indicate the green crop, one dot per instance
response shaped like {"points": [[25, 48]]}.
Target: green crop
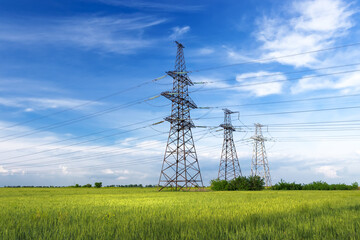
{"points": [[144, 213]]}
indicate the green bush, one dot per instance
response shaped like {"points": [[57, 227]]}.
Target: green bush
{"points": [[98, 184], [87, 185], [252, 183], [219, 185], [282, 185]]}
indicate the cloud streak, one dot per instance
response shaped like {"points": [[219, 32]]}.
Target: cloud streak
{"points": [[119, 34]]}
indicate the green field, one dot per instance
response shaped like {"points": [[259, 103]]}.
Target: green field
{"points": [[129, 213]]}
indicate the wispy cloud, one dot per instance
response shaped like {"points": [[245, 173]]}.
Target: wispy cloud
{"points": [[178, 32], [168, 6], [346, 83], [248, 81], [119, 34], [315, 24], [262, 76], [34, 104]]}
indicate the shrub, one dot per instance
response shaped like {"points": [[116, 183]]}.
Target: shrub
{"points": [[87, 185], [252, 183], [282, 185], [98, 184], [219, 185], [240, 183]]}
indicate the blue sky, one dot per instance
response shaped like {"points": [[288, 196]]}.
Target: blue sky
{"points": [[59, 55]]}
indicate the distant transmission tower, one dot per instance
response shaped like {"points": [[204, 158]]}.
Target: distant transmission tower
{"points": [[260, 165], [229, 163], [180, 169]]}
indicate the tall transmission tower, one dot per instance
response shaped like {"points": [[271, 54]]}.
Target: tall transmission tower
{"points": [[260, 164], [180, 169], [229, 163]]}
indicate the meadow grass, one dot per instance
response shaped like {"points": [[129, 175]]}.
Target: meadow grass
{"points": [[144, 213]]}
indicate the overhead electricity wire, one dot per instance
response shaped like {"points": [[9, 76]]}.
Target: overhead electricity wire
{"points": [[130, 162], [74, 144], [75, 120], [301, 111], [280, 73], [285, 101], [86, 135], [86, 103], [274, 58], [275, 81], [78, 143]]}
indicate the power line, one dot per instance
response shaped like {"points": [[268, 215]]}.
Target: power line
{"points": [[274, 58], [78, 143], [86, 103], [276, 81], [75, 120], [301, 111], [64, 147], [282, 73], [130, 162], [279, 102], [86, 135]]}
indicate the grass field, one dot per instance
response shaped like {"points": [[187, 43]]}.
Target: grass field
{"points": [[129, 213]]}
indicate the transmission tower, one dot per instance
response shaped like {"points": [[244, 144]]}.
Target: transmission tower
{"points": [[180, 169], [229, 163], [260, 165]]}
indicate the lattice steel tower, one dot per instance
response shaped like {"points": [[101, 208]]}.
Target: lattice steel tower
{"points": [[180, 169], [229, 163], [260, 165]]}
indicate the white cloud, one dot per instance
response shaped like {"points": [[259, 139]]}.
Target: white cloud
{"points": [[108, 171], [64, 169], [328, 171], [315, 24], [346, 83], [205, 51], [32, 104], [3, 170], [119, 34], [263, 89], [122, 178], [178, 32]]}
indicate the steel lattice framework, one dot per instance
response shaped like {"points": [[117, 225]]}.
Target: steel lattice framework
{"points": [[229, 163], [180, 169], [260, 165]]}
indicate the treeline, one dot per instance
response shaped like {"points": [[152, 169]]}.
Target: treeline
{"points": [[96, 185], [255, 183], [35, 186], [99, 185], [319, 185]]}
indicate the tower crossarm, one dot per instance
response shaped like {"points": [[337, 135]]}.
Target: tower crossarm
{"points": [[259, 138], [182, 76], [227, 126], [174, 97], [184, 123]]}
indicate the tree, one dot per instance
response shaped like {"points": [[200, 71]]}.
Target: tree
{"points": [[98, 184]]}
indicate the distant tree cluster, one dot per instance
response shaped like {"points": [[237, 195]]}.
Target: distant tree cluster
{"points": [[319, 185], [99, 185], [34, 186], [132, 186], [251, 183], [96, 185]]}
